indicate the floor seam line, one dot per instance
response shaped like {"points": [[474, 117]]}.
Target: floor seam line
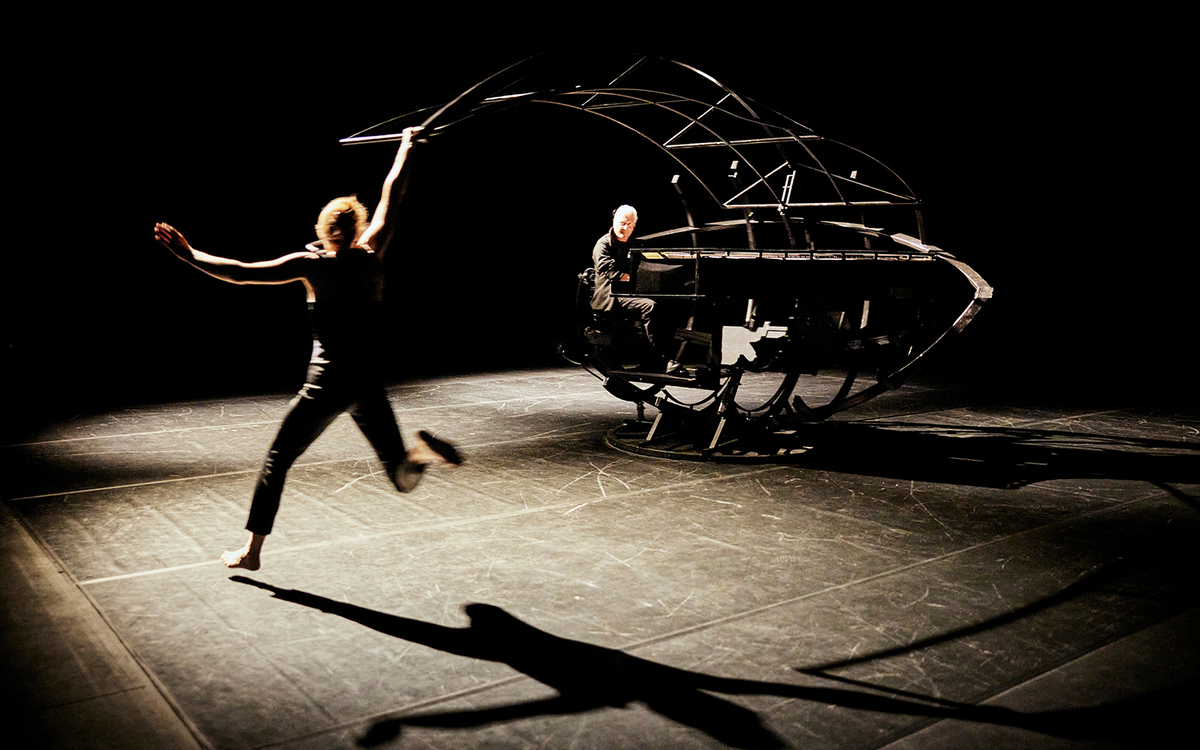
{"points": [[630, 647], [154, 482], [429, 526]]}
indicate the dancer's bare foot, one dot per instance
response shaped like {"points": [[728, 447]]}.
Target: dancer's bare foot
{"points": [[431, 450], [248, 556], [427, 450]]}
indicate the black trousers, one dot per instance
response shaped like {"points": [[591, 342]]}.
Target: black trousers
{"points": [[641, 308], [353, 385]]}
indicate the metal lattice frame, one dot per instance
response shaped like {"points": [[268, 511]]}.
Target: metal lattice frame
{"points": [[774, 175], [693, 118]]}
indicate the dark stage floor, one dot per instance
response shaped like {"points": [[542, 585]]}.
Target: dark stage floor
{"points": [[938, 572]]}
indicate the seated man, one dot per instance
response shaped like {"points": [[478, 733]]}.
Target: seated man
{"points": [[611, 259]]}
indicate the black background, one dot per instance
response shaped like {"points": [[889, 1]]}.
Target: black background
{"points": [[1045, 155]]}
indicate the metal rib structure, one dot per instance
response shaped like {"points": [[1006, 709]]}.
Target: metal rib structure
{"points": [[818, 247], [699, 122]]}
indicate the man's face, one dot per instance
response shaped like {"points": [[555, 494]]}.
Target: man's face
{"points": [[623, 224]]}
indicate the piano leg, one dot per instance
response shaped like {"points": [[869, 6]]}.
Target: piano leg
{"points": [[653, 427]]}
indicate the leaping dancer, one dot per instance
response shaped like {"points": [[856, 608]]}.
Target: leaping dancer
{"points": [[343, 273]]}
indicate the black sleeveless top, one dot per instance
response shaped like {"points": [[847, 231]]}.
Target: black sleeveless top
{"points": [[346, 317]]}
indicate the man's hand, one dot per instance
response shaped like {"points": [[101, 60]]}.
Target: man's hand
{"points": [[170, 238]]}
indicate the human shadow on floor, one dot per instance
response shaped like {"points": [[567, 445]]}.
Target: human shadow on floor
{"points": [[1144, 720], [589, 677], [1154, 719], [1102, 578]]}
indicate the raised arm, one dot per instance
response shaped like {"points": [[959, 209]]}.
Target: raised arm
{"points": [[282, 270], [379, 233]]}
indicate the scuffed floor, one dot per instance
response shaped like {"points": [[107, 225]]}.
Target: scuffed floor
{"points": [[935, 573]]}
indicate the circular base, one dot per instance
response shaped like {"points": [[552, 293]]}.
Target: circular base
{"points": [[758, 445]]}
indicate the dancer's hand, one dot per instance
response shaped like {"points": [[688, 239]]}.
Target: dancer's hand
{"points": [[366, 240], [410, 133], [172, 239], [379, 233]]}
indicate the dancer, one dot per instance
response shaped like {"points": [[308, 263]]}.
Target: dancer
{"points": [[343, 274]]}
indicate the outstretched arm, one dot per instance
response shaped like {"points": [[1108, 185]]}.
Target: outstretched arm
{"points": [[281, 270], [379, 233]]}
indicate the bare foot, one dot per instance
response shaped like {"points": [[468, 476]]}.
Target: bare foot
{"points": [[427, 450], [243, 558], [247, 557], [431, 450]]}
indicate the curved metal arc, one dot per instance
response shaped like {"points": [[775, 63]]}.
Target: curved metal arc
{"points": [[632, 129], [516, 72], [711, 108], [692, 121], [823, 169], [888, 169], [627, 391], [507, 77], [749, 119], [642, 59], [795, 137], [697, 407], [497, 76], [859, 151], [596, 111], [492, 102], [640, 62], [767, 127], [717, 83], [359, 137], [776, 403], [894, 379], [499, 102], [488, 106], [500, 80], [791, 137], [908, 198], [762, 180]]}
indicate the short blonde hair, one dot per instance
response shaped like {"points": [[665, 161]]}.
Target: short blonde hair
{"points": [[342, 220]]}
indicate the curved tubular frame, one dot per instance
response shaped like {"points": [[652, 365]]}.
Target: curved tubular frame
{"points": [[766, 146], [805, 181]]}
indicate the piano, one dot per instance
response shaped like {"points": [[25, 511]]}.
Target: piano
{"points": [[856, 295]]}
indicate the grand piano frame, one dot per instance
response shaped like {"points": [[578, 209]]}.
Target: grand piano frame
{"points": [[808, 269]]}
